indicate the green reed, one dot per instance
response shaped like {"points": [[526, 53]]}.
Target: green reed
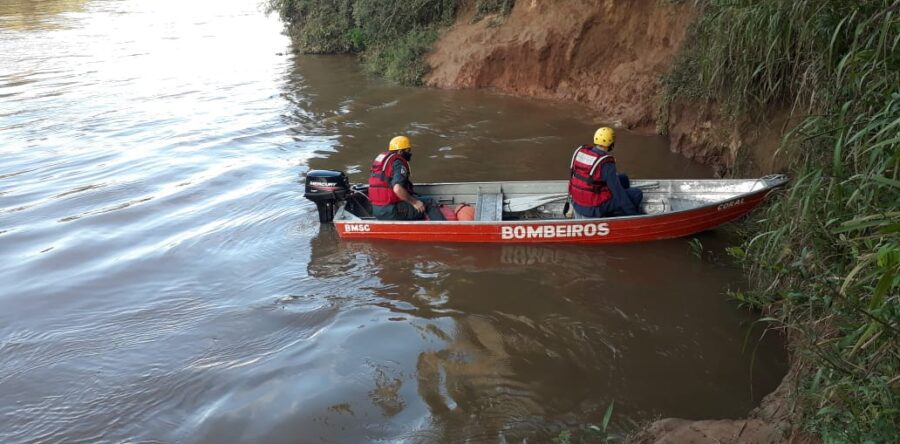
{"points": [[824, 258]]}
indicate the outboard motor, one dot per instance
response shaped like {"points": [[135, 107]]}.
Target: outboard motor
{"points": [[326, 188]]}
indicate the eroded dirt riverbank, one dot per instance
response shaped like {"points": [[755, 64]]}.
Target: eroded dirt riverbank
{"points": [[607, 55]]}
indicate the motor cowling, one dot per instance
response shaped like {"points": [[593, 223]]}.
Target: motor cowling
{"points": [[326, 188]]}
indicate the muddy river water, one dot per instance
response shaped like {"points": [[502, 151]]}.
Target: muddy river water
{"points": [[163, 280]]}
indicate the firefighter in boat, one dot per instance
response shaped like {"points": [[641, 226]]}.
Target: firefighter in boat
{"points": [[595, 188], [391, 190]]}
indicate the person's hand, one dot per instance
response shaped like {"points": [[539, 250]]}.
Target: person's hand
{"points": [[419, 206]]}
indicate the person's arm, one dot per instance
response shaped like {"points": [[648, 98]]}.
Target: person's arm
{"points": [[403, 194], [619, 198], [399, 180]]}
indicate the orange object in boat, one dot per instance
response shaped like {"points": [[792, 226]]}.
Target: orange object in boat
{"points": [[448, 212], [465, 212]]}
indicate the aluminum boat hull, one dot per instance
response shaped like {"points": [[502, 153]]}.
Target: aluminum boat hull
{"points": [[674, 209]]}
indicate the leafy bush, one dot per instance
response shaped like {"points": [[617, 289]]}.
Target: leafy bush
{"points": [[401, 60], [392, 35]]}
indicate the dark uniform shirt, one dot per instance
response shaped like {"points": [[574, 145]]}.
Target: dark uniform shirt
{"points": [[401, 174], [620, 204]]}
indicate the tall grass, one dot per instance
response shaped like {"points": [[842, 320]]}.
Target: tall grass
{"points": [[825, 259], [391, 35]]}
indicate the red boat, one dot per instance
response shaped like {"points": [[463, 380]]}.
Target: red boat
{"points": [[537, 211]]}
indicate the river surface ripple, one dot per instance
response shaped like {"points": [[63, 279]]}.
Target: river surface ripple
{"points": [[162, 279]]}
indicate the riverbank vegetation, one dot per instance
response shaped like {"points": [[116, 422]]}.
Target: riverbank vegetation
{"points": [[390, 36], [825, 256]]}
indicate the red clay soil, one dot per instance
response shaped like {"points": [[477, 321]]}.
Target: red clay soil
{"points": [[606, 54], [745, 149]]}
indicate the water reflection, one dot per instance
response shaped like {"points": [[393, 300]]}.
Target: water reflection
{"points": [[542, 336]]}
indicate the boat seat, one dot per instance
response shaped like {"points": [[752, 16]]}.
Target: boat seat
{"points": [[489, 203], [680, 204]]}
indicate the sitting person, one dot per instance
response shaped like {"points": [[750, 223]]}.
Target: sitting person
{"points": [[391, 190], [595, 189]]}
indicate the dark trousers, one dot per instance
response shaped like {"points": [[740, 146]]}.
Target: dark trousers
{"points": [[609, 208], [405, 211]]}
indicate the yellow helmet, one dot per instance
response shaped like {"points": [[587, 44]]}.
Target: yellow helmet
{"points": [[604, 137], [400, 143]]}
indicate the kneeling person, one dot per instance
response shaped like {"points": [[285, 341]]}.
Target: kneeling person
{"points": [[391, 190], [595, 188]]}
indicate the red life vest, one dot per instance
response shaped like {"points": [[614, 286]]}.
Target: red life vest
{"points": [[586, 186], [380, 191]]}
